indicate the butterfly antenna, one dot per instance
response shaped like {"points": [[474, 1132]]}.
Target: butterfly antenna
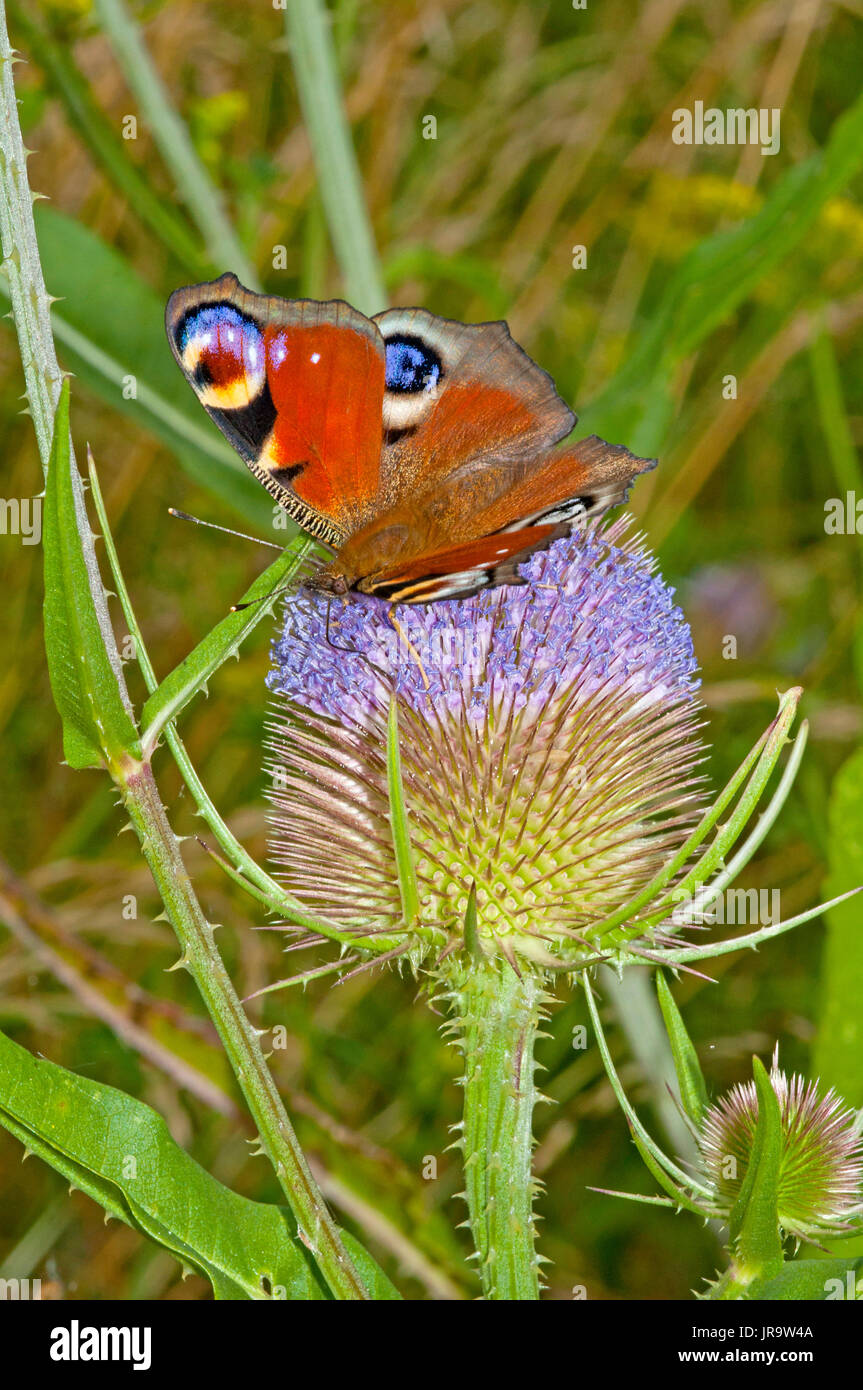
{"points": [[186, 516], [333, 644]]}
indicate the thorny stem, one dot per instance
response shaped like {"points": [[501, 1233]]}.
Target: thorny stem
{"points": [[201, 958], [496, 1015], [21, 265], [31, 312]]}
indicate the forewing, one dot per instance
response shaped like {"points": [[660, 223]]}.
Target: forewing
{"points": [[297, 387]]}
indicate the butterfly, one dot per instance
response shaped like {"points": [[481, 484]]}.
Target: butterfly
{"points": [[418, 450]]}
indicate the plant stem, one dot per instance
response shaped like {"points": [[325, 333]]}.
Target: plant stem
{"points": [[21, 265], [102, 138], [316, 76], [497, 1014], [201, 958]]}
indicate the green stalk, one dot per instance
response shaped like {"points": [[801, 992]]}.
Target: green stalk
{"points": [[316, 76], [496, 1017], [104, 142], [30, 305], [203, 961], [21, 265]]}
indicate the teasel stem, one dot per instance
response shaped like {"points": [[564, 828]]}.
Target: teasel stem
{"points": [[496, 1016], [241, 1041], [31, 304]]}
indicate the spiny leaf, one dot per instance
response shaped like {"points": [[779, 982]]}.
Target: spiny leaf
{"points": [[83, 662], [119, 1151]]}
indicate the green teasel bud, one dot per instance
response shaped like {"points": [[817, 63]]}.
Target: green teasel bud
{"points": [[820, 1181]]}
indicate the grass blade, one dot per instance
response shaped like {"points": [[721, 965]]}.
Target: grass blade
{"points": [[192, 181], [315, 72]]}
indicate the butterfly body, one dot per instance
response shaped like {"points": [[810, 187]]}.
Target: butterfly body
{"points": [[420, 451]]}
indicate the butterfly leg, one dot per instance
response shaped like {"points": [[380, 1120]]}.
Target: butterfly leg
{"points": [[403, 637]]}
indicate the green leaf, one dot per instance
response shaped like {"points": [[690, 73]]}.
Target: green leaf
{"points": [[815, 1279], [399, 820], [754, 1222], [110, 330], [192, 674], [690, 1080], [83, 662], [839, 1046], [119, 1151], [380, 1288]]}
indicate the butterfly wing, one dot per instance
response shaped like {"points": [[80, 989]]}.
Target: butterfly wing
{"points": [[459, 570], [573, 483], [460, 398], [296, 386]]}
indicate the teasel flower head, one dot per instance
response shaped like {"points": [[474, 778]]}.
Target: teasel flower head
{"points": [[820, 1185], [548, 745]]}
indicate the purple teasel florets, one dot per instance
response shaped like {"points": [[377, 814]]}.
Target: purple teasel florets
{"points": [[548, 737]]}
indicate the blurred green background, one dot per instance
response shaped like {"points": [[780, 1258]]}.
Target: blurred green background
{"points": [[552, 130]]}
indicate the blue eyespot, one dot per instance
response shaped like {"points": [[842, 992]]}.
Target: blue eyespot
{"points": [[412, 366], [214, 319]]}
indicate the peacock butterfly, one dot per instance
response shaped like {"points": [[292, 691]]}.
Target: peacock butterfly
{"points": [[418, 450]]}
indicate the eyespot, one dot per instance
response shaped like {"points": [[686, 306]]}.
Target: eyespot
{"points": [[414, 377], [222, 350], [412, 366]]}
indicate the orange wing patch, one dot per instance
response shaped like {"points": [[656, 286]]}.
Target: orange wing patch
{"points": [[326, 385], [297, 387]]}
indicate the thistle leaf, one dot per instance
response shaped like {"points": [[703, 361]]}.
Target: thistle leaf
{"points": [[119, 1151], [83, 661]]}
